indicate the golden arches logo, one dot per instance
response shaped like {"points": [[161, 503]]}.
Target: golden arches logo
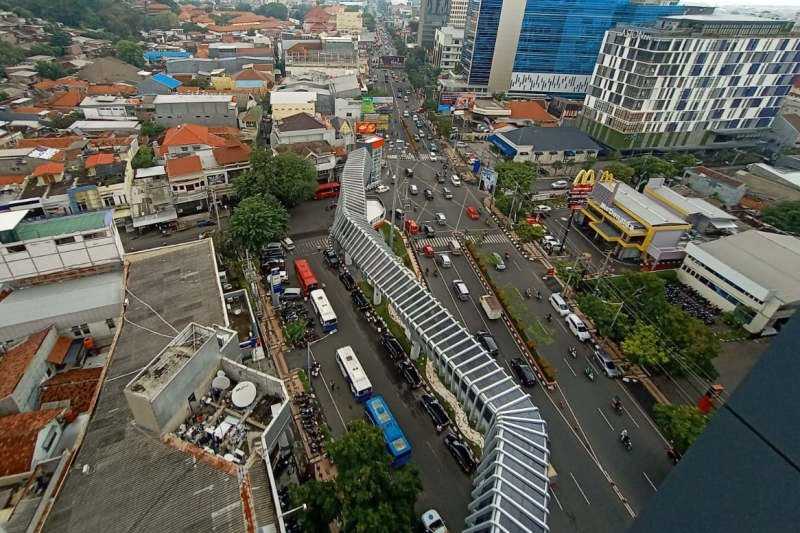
{"points": [[584, 177], [607, 176]]}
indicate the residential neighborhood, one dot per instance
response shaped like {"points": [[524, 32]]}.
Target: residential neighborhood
{"points": [[397, 266]]}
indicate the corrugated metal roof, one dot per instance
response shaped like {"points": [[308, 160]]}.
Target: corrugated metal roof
{"points": [[63, 225]]}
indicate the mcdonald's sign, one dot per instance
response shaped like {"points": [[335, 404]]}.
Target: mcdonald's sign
{"points": [[582, 185]]}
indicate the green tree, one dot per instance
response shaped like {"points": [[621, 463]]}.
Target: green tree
{"points": [[369, 21], [10, 54], [682, 161], [611, 320], [784, 216], [50, 70], [299, 11], [243, 6], [681, 424], [3, 96], [275, 10], [43, 49], [644, 345], [143, 158], [621, 171], [151, 129], [130, 52], [59, 39], [288, 177], [258, 220], [589, 163], [368, 494], [649, 166], [529, 232], [515, 176], [62, 122]]}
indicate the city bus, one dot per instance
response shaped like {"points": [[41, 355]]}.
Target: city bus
{"points": [[327, 190], [396, 442], [305, 276], [353, 373], [324, 311]]}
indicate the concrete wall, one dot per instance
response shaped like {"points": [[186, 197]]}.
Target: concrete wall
{"points": [[346, 108], [281, 111], [204, 113], [25, 396], [728, 195], [505, 48], [44, 256]]}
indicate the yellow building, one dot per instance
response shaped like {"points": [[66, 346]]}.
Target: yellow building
{"points": [[287, 103], [633, 226], [222, 83]]}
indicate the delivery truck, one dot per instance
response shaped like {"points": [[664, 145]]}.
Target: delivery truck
{"points": [[491, 306]]}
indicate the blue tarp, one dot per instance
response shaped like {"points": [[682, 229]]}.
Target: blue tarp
{"points": [[157, 55], [167, 80], [506, 149]]}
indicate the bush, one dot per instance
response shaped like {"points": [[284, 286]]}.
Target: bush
{"points": [[544, 365]]}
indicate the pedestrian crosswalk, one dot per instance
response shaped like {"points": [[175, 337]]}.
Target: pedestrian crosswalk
{"points": [[312, 245], [444, 241]]}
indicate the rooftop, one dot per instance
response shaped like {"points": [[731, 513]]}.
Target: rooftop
{"points": [[720, 18], [105, 125], [769, 259], [45, 169], [292, 97], [166, 80], [151, 172], [67, 225], [18, 436], [99, 159], [191, 98], [15, 362], [646, 209], [76, 386], [152, 481], [547, 139], [182, 166], [299, 122], [530, 109], [687, 206]]}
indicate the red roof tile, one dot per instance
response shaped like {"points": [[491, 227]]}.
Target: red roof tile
{"points": [[181, 166], [61, 143], [232, 154], [71, 98], [11, 179], [48, 168], [112, 89], [18, 435], [15, 362], [186, 134], [77, 385], [99, 159], [531, 110], [59, 351]]}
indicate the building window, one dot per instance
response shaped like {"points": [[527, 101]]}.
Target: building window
{"points": [[110, 323], [76, 331], [96, 235], [65, 240], [85, 329], [108, 201], [16, 249]]}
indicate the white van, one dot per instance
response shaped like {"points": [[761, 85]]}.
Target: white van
{"points": [[577, 327], [558, 303], [461, 290], [444, 261], [454, 246], [455, 180], [440, 219], [291, 294], [288, 244]]}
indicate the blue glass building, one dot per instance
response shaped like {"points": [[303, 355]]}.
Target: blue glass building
{"points": [[545, 46]]}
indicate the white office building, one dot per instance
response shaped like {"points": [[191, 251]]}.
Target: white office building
{"points": [[447, 47], [457, 18], [690, 81]]}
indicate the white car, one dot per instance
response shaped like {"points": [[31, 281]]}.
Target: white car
{"points": [[380, 189], [433, 156], [433, 522], [550, 240], [577, 327], [559, 184], [455, 180], [542, 208]]}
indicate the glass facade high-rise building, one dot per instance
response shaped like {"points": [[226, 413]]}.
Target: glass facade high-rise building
{"points": [[545, 46]]}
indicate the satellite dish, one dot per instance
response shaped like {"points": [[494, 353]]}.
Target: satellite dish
{"points": [[243, 394], [221, 373], [220, 383]]}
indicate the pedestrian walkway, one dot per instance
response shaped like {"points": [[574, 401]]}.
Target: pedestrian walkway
{"points": [[495, 237], [313, 245]]}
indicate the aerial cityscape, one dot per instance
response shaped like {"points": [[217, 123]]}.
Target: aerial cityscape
{"points": [[429, 266]]}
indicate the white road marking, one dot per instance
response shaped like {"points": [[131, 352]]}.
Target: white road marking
{"points": [[570, 367], [606, 419], [580, 489], [649, 481], [556, 498]]}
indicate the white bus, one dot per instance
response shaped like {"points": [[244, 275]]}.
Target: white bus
{"points": [[324, 311], [355, 376]]}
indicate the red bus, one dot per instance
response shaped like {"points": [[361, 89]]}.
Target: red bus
{"points": [[327, 190], [305, 276]]}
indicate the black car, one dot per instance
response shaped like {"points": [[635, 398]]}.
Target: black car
{"points": [[393, 348], [399, 214], [410, 373], [435, 411], [488, 342], [331, 259], [428, 194], [523, 371], [359, 300], [347, 280], [429, 231], [461, 452]]}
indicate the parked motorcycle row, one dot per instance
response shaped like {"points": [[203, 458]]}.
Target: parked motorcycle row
{"points": [[294, 311], [691, 302], [311, 420]]}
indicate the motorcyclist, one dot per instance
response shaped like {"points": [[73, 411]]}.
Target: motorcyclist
{"points": [[549, 317], [573, 352], [623, 436], [589, 372], [538, 294], [616, 403]]}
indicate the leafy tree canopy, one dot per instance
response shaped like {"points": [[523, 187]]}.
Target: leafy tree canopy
{"points": [[621, 171], [10, 54], [143, 158], [603, 315], [288, 177], [367, 495], [514, 175], [649, 166], [50, 70], [258, 220], [151, 129], [784, 216], [529, 232], [644, 345], [273, 9], [130, 52], [681, 424]]}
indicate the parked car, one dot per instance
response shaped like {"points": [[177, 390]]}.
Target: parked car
{"points": [[410, 373], [488, 342], [380, 189], [433, 522], [461, 452], [288, 244], [413, 189], [577, 327], [428, 194], [606, 364], [523, 371], [497, 259], [347, 280], [330, 258], [435, 410], [541, 208], [447, 193], [559, 184], [392, 347], [359, 300]]}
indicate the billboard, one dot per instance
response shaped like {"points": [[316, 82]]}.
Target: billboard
{"points": [[366, 128], [464, 101], [393, 61], [581, 187], [367, 105], [382, 120], [443, 109]]}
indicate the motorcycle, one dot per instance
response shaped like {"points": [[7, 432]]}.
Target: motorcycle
{"points": [[528, 293], [589, 373], [573, 352], [626, 441], [616, 404], [673, 455], [538, 296]]}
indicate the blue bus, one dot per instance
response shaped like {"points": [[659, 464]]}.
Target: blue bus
{"points": [[396, 442]]}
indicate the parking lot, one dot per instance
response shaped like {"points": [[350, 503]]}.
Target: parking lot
{"points": [[445, 487]]}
